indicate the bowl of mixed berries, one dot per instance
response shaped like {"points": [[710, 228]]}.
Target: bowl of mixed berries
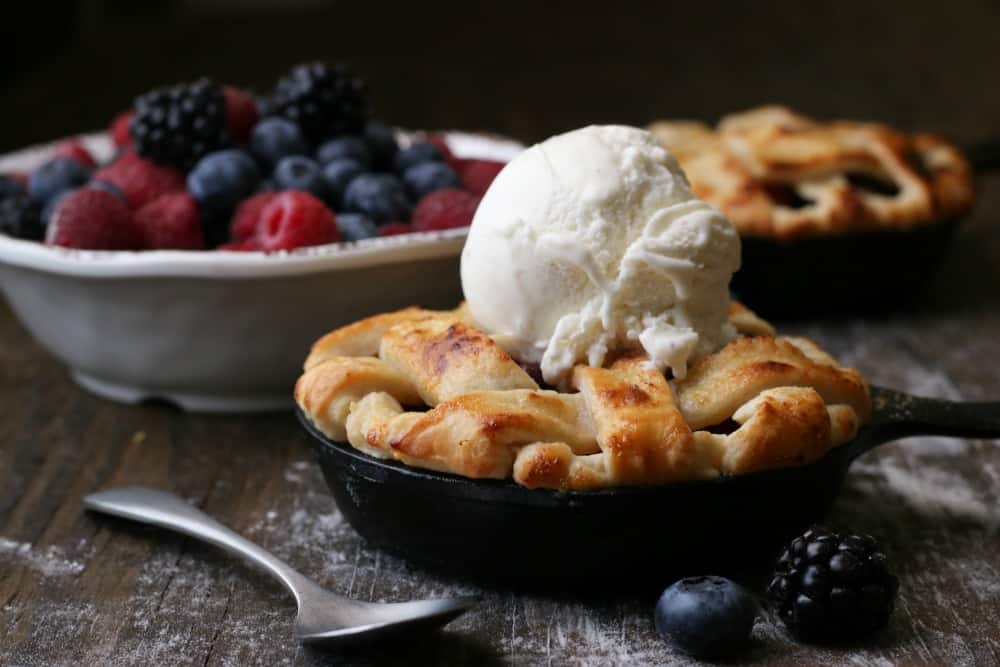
{"points": [[193, 250]]}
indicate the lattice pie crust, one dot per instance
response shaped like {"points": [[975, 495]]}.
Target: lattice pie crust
{"points": [[470, 409], [777, 173]]}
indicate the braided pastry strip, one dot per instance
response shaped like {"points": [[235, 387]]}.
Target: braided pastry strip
{"points": [[642, 436], [719, 384]]}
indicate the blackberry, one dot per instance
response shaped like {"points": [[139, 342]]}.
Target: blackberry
{"points": [[832, 587], [324, 100], [178, 125], [21, 218]]}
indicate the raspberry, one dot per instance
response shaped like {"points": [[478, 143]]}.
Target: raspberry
{"points": [[294, 219], [241, 113], [120, 133], [395, 229], [171, 222], [244, 223], [477, 175], [93, 219], [241, 246], [75, 150], [140, 180], [445, 209]]}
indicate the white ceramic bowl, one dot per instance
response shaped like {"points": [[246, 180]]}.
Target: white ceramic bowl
{"points": [[217, 331]]}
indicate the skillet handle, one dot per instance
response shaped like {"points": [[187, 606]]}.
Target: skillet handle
{"points": [[984, 156], [899, 415]]}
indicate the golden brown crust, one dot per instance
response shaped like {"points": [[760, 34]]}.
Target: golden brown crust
{"points": [[715, 388], [787, 400], [446, 358], [362, 338], [326, 390], [777, 173]]}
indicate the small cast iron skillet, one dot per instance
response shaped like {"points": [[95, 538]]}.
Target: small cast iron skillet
{"points": [[498, 531], [863, 272]]}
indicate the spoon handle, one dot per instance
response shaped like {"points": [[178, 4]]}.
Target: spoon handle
{"points": [[902, 415], [159, 508]]}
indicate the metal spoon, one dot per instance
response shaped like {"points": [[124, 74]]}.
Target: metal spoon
{"points": [[323, 617]]}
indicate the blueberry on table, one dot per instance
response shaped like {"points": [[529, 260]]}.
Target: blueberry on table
{"points": [[427, 177], [220, 180], [354, 227], [706, 617], [416, 154], [275, 138], [349, 147], [338, 175], [382, 145], [53, 177], [380, 197], [301, 173]]}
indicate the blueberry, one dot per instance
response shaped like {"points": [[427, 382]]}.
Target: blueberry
{"points": [[53, 177], [9, 186], [221, 179], [107, 187], [338, 175], [427, 177], [275, 138], [415, 154], [382, 145], [353, 148], [354, 227], [380, 197], [706, 616], [301, 173]]}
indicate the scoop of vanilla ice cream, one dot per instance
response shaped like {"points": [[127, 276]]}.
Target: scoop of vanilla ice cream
{"points": [[591, 242]]}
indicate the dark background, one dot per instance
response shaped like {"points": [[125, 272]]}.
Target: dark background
{"points": [[525, 70]]}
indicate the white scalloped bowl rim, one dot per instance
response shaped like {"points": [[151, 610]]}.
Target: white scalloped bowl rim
{"points": [[229, 265]]}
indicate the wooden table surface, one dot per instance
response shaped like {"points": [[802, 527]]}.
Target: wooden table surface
{"points": [[82, 590]]}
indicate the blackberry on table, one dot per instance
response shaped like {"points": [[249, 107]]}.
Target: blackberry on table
{"points": [[324, 100], [828, 586], [178, 125], [21, 218]]}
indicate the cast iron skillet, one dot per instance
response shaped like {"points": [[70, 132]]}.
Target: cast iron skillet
{"points": [[865, 272], [498, 531]]}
